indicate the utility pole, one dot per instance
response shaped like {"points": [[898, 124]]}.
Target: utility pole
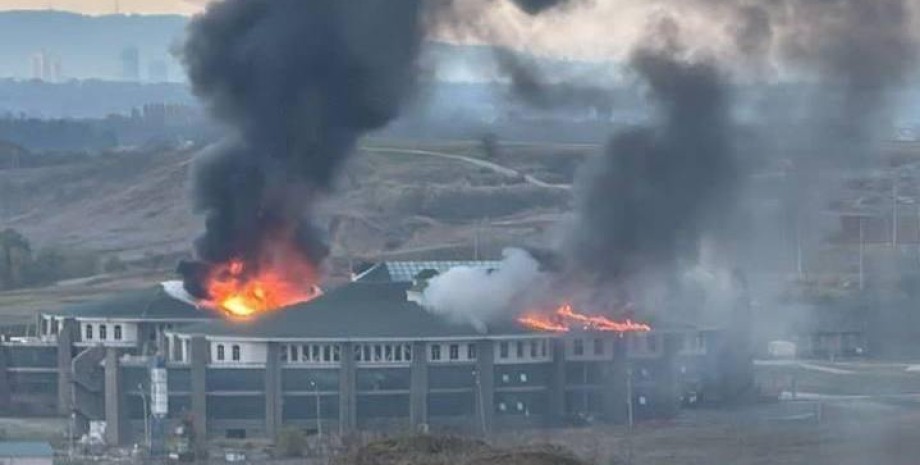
{"points": [[894, 211], [862, 253]]}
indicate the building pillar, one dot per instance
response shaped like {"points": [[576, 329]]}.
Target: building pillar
{"points": [[348, 401], [273, 396], [557, 382], [5, 394], [668, 386], [418, 388], [115, 415], [67, 334], [485, 386], [616, 376], [198, 361]]}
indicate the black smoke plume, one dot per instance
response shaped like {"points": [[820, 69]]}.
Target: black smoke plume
{"points": [[642, 202], [298, 82], [535, 7]]}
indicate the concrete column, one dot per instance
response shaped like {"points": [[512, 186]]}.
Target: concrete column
{"points": [[67, 334], [615, 378], [273, 399], [5, 394], [557, 382], [485, 386], [668, 391], [348, 401], [115, 416], [418, 389], [198, 360]]}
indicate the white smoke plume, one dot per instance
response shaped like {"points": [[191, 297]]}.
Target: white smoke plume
{"points": [[477, 295]]}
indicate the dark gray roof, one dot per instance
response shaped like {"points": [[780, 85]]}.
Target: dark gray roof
{"points": [[25, 449], [405, 271], [152, 303], [359, 310]]}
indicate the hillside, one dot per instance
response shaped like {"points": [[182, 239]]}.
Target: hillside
{"points": [[394, 200]]}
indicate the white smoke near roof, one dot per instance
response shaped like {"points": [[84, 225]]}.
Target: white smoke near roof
{"points": [[176, 290], [479, 295]]}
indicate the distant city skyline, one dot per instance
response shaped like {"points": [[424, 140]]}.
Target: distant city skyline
{"points": [[102, 7]]}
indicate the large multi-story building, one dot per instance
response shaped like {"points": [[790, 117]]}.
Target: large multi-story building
{"points": [[363, 356]]}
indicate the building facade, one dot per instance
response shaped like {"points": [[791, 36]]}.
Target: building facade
{"points": [[364, 356]]}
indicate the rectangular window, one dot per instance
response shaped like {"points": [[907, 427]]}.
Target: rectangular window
{"points": [[220, 352], [398, 353], [388, 352], [471, 351], [543, 347], [314, 350], [359, 353], [89, 332], [454, 351], [295, 353], [116, 330], [503, 349], [54, 326], [305, 353], [283, 351], [367, 353], [598, 346], [44, 326], [327, 353], [407, 350], [436, 352], [578, 347], [534, 348], [235, 352], [519, 349], [336, 353], [652, 343], [378, 353]]}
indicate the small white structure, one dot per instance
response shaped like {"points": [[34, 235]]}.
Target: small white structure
{"points": [[26, 453], [781, 349]]}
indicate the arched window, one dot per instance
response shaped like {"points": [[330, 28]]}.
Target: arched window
{"points": [[235, 352], [220, 351]]}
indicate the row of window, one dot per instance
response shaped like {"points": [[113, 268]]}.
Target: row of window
{"points": [[533, 349], [221, 354], [50, 326], [310, 353], [383, 353], [452, 352], [103, 332]]}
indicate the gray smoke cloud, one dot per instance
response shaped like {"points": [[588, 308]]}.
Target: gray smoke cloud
{"points": [[299, 83], [529, 85]]}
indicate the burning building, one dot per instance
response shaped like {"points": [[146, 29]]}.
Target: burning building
{"points": [[363, 356]]}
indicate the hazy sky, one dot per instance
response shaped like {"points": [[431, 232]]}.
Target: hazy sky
{"points": [[97, 7]]}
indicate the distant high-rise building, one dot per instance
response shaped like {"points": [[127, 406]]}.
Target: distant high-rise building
{"points": [[130, 64], [158, 71], [46, 67]]}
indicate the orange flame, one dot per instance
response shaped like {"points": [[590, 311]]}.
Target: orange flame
{"points": [[280, 280], [565, 317]]}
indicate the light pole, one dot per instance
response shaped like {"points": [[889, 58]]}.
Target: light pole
{"points": [[481, 402], [140, 390], [319, 414]]}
